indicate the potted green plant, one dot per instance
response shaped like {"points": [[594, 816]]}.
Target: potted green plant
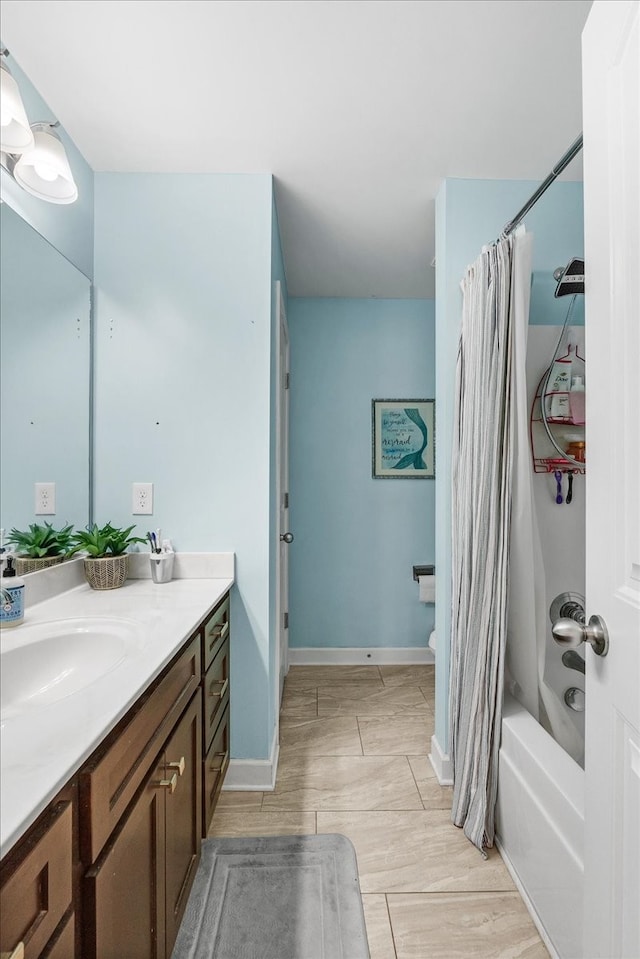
{"points": [[107, 562], [40, 546]]}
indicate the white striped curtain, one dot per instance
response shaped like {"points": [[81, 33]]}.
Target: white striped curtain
{"points": [[481, 508]]}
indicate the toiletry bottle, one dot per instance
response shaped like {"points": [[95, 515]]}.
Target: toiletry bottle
{"points": [[576, 450], [12, 608], [576, 400], [558, 389]]}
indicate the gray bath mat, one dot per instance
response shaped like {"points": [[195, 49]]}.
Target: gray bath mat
{"points": [[276, 897]]}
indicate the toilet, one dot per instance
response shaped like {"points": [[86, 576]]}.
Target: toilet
{"points": [[425, 577]]}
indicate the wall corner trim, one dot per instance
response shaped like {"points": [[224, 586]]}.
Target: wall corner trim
{"points": [[254, 775], [441, 762]]}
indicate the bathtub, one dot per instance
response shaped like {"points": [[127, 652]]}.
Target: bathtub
{"points": [[540, 828]]}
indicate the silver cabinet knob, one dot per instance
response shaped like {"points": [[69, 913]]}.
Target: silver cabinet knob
{"points": [[286, 537], [569, 634]]}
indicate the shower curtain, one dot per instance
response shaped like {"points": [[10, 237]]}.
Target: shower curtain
{"points": [[495, 297]]}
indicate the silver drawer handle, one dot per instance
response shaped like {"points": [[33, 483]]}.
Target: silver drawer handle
{"points": [[180, 766], [222, 690], [169, 784], [222, 756], [218, 632]]}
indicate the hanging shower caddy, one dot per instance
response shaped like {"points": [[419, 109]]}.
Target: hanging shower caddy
{"points": [[557, 443], [557, 440]]}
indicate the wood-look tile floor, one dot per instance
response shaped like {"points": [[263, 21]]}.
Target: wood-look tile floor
{"points": [[353, 760]]}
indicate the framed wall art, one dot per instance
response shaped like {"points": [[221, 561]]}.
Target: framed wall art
{"points": [[403, 439]]}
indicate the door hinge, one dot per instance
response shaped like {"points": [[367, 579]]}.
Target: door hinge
{"points": [[285, 501], [286, 621], [287, 377]]}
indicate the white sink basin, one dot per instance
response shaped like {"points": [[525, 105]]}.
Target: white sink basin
{"points": [[49, 661]]}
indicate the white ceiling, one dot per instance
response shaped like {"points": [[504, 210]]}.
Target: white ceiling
{"points": [[360, 108]]}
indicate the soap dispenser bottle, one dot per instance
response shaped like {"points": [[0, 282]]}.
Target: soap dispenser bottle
{"points": [[12, 608]]}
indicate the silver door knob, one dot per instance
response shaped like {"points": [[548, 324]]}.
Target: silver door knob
{"points": [[569, 634], [286, 537]]}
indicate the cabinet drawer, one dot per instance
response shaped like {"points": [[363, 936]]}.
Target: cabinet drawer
{"points": [[215, 767], [38, 893], [109, 783], [216, 631], [216, 691]]}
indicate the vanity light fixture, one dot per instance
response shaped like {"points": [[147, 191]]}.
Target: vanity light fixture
{"points": [[38, 163], [44, 171], [16, 132]]}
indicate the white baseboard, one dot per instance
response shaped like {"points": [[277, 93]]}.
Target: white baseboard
{"points": [[254, 775], [360, 656], [441, 763]]}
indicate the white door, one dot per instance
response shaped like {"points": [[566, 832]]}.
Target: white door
{"points": [[282, 453], [611, 116]]}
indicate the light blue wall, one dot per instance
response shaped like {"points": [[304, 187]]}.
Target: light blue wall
{"points": [[183, 273], [69, 228], [356, 538], [469, 215]]}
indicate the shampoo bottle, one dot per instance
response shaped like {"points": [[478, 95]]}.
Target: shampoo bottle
{"points": [[558, 389], [576, 400], [12, 608]]}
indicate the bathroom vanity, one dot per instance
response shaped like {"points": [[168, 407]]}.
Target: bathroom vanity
{"points": [[105, 801]]}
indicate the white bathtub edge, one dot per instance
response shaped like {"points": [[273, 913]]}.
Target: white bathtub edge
{"points": [[531, 909], [540, 828]]}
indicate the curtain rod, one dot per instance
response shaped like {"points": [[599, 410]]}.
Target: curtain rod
{"points": [[563, 162]]}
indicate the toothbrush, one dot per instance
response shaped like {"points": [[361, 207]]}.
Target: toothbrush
{"points": [[158, 535]]}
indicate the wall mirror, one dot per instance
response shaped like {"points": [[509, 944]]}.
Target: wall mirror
{"points": [[45, 379]]}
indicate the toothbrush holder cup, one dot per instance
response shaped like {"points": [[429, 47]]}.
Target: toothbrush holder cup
{"points": [[161, 567]]}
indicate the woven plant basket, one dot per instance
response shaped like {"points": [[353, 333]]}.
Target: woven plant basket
{"points": [[29, 564], [108, 572]]}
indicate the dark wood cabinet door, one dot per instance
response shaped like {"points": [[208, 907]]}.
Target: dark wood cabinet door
{"points": [[125, 889], [183, 759], [62, 945], [36, 892]]}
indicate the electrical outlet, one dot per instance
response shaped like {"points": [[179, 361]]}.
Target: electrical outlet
{"points": [[142, 498], [45, 499]]}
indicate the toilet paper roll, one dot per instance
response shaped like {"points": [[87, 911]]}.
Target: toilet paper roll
{"points": [[427, 585]]}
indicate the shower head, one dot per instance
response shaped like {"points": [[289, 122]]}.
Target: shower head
{"points": [[570, 279]]}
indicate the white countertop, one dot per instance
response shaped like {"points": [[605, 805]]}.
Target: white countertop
{"points": [[43, 747]]}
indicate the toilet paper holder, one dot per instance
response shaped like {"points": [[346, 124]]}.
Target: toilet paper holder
{"points": [[423, 571]]}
